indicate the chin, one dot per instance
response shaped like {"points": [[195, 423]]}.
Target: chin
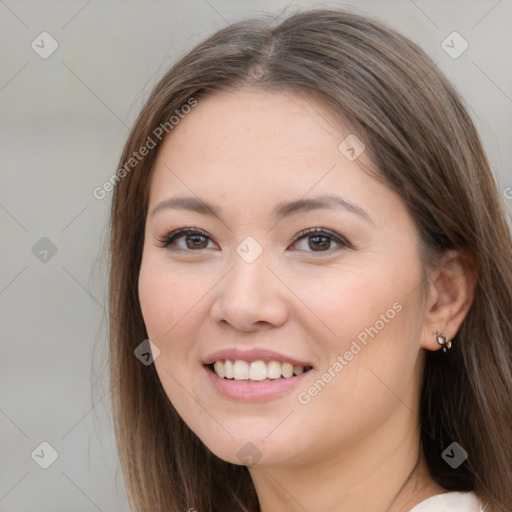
{"points": [[250, 449]]}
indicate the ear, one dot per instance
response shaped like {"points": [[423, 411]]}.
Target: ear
{"points": [[451, 293]]}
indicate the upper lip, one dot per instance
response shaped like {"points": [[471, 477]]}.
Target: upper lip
{"points": [[255, 354]]}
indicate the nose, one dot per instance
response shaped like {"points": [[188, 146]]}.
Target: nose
{"points": [[250, 297]]}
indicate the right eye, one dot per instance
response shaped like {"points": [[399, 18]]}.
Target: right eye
{"points": [[194, 239]]}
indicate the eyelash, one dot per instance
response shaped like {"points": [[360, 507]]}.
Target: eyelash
{"points": [[166, 241]]}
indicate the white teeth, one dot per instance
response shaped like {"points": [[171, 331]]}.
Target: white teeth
{"points": [[274, 370], [256, 370], [287, 370], [228, 369], [219, 369], [240, 370], [297, 370]]}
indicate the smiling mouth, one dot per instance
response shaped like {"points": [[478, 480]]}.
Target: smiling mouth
{"points": [[256, 371]]}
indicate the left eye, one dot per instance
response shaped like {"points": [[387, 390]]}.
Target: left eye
{"points": [[319, 239]]}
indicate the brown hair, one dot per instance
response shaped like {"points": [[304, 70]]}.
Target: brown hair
{"points": [[425, 147]]}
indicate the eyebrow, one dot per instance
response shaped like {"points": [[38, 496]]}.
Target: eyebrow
{"points": [[281, 211]]}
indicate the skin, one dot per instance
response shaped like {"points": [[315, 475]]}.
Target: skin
{"points": [[355, 445]]}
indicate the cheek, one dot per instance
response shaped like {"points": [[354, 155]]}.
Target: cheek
{"points": [[167, 308], [367, 315], [170, 308], [349, 300], [164, 298]]}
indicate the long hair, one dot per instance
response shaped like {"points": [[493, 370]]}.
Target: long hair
{"points": [[425, 147]]}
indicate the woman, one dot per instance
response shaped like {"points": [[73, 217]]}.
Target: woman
{"points": [[306, 227]]}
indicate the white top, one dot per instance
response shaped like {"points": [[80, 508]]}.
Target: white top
{"points": [[453, 501]]}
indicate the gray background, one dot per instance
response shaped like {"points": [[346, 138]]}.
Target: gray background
{"points": [[63, 122]]}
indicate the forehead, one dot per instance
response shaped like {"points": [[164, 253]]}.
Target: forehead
{"points": [[253, 108], [251, 136]]}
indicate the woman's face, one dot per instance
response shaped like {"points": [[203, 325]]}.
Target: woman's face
{"points": [[251, 288]]}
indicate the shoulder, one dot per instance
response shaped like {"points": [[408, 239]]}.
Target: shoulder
{"points": [[450, 502]]}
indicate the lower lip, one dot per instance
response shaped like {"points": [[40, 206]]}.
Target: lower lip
{"points": [[253, 391]]}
